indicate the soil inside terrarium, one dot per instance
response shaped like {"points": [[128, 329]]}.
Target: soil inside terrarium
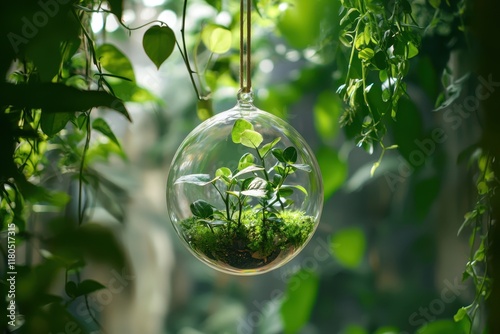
{"points": [[250, 245]]}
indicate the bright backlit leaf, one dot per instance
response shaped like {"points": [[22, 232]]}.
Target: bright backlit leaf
{"points": [[299, 300], [239, 126], [333, 170], [327, 111], [348, 247], [114, 61], [217, 39], [250, 138]]}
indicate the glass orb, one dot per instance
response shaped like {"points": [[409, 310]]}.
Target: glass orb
{"points": [[244, 191]]}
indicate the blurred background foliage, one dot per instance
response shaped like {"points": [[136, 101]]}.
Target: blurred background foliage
{"points": [[386, 94]]}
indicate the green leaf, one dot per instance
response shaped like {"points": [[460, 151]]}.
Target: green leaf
{"points": [[239, 126], [440, 327], [89, 286], [327, 111], [299, 187], [245, 161], [354, 329], [299, 23], [348, 247], [412, 50], [248, 169], [251, 138], [304, 167], [217, 39], [201, 209], [482, 188], [278, 154], [461, 313], [285, 192], [71, 289], [52, 123], [102, 126], [55, 97], [115, 61], [204, 109], [267, 147], [299, 300], [366, 54], [254, 193], [116, 8], [380, 61], [435, 3], [197, 179], [333, 170], [158, 43], [290, 155], [223, 171]]}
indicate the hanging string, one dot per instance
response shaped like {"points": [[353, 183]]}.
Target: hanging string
{"points": [[245, 46]]}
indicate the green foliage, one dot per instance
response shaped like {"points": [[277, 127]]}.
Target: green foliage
{"points": [[257, 210], [294, 317], [348, 246]]}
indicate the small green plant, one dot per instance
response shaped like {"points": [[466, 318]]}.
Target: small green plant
{"points": [[257, 221]]}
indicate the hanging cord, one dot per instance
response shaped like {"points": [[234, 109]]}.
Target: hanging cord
{"points": [[245, 46]]}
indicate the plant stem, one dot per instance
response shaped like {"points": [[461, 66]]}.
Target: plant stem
{"points": [[184, 52], [80, 176]]}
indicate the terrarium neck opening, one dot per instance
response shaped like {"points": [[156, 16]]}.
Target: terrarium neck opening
{"points": [[245, 46]]}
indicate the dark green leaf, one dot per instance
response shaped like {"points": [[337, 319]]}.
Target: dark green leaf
{"points": [[52, 123], [158, 43], [285, 192], [116, 8], [102, 126], [89, 286], [290, 155], [435, 3], [201, 209], [55, 97], [71, 289], [299, 187], [278, 154]]}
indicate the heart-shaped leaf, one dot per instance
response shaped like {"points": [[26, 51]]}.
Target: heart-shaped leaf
{"points": [[158, 43]]}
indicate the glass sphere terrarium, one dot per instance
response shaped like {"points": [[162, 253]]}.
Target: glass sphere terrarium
{"points": [[244, 191]]}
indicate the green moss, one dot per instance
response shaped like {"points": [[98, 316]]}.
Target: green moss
{"points": [[253, 243]]}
